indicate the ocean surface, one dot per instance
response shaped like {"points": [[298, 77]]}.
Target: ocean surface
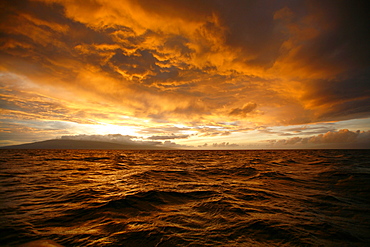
{"points": [[185, 198]]}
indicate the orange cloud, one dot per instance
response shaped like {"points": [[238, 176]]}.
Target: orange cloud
{"points": [[197, 62]]}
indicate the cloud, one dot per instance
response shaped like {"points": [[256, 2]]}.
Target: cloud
{"points": [[343, 135], [222, 145], [175, 145], [214, 131], [247, 108], [343, 138], [168, 137], [311, 129], [339, 99], [198, 63], [342, 43]]}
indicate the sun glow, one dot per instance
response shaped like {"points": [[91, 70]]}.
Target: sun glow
{"points": [[104, 129]]}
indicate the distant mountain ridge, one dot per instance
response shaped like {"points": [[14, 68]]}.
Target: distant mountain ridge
{"points": [[81, 144]]}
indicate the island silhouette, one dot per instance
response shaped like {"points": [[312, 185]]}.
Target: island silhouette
{"points": [[85, 144]]}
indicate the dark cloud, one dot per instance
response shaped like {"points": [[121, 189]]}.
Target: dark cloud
{"points": [[252, 30], [139, 63], [247, 108], [340, 98], [343, 41], [190, 10], [179, 44]]}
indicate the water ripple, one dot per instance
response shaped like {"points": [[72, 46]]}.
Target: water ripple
{"points": [[185, 198]]}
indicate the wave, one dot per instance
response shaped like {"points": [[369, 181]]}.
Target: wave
{"points": [[185, 198]]}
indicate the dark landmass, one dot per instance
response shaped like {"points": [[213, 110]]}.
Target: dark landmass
{"points": [[78, 144]]}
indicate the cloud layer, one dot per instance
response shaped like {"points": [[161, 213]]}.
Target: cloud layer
{"points": [[215, 67], [337, 139]]}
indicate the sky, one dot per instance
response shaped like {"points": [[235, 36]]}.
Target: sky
{"points": [[209, 74]]}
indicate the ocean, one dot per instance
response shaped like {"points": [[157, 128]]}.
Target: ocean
{"points": [[185, 198]]}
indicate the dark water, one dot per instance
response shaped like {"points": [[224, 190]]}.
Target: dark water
{"points": [[185, 198]]}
